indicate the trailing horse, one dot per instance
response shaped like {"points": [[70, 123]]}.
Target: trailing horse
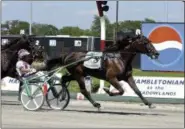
{"points": [[9, 55], [116, 66]]}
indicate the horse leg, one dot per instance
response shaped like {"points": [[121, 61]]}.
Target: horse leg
{"points": [[111, 77], [133, 85], [114, 82], [20, 89], [80, 80], [66, 78]]}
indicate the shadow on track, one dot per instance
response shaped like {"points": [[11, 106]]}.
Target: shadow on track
{"points": [[46, 109], [114, 112]]}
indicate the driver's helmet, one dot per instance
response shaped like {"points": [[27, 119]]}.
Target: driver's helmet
{"points": [[22, 53]]}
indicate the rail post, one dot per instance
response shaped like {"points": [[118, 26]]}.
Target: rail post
{"points": [[102, 7]]}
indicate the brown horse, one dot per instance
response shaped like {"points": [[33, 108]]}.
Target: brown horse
{"points": [[116, 66]]}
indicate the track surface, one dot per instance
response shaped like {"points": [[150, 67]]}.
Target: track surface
{"points": [[80, 114]]}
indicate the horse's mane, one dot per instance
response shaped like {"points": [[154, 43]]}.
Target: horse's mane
{"points": [[10, 43], [120, 44]]}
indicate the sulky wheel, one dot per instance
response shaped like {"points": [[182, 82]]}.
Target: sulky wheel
{"points": [[57, 97], [32, 97]]}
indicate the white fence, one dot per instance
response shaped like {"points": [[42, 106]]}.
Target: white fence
{"points": [[157, 87]]}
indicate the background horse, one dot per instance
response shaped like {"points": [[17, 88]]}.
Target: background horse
{"points": [[9, 55], [116, 66]]}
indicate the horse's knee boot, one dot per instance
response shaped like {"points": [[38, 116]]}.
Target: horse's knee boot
{"points": [[121, 91]]}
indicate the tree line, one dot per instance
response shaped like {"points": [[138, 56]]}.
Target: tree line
{"points": [[14, 27]]}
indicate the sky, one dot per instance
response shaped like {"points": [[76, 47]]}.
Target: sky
{"points": [[80, 13]]}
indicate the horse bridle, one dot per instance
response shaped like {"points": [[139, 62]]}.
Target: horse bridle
{"points": [[138, 41], [131, 44]]}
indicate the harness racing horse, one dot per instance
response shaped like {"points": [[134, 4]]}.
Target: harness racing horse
{"points": [[116, 66], [9, 55]]}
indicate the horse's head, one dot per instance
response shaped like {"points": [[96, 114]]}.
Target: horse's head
{"points": [[142, 44], [35, 48]]}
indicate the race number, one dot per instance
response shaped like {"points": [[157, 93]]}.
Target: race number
{"points": [[78, 43], [52, 43], [37, 42]]}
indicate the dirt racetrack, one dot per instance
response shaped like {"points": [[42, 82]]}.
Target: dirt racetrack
{"points": [[80, 114]]}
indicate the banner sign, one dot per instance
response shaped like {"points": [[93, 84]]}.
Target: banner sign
{"points": [[168, 39], [12, 84], [157, 87]]}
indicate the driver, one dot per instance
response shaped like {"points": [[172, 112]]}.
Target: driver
{"points": [[22, 65]]}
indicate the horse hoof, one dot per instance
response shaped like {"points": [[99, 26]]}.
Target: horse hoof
{"points": [[141, 104], [106, 90], [100, 109], [151, 106], [97, 105]]}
